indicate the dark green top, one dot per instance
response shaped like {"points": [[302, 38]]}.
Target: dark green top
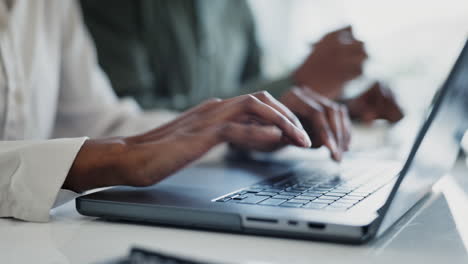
{"points": [[176, 53]]}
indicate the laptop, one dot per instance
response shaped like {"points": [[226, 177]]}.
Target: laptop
{"points": [[302, 199]]}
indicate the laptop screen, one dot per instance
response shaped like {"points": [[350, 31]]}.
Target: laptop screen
{"points": [[436, 147]]}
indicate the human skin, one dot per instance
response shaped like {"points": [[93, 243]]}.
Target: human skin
{"points": [[254, 121], [378, 102], [336, 59]]}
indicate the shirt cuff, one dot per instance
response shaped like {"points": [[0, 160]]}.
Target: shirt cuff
{"points": [[31, 189]]}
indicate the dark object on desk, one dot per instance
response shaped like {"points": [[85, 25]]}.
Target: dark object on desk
{"points": [[310, 202], [144, 256]]}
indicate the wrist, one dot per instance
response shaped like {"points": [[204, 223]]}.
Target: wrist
{"points": [[99, 163], [296, 77]]}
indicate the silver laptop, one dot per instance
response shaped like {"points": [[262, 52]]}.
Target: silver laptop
{"points": [[302, 199]]}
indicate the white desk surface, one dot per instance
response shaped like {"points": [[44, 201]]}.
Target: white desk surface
{"points": [[437, 233]]}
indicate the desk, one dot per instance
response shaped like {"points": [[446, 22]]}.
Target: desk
{"points": [[437, 233]]}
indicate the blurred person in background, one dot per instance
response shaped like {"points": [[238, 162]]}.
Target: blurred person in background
{"points": [[176, 53]]}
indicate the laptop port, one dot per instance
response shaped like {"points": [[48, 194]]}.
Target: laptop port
{"points": [[315, 225], [263, 220], [292, 222]]}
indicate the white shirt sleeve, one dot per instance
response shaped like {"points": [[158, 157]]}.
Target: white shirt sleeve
{"points": [[31, 175], [32, 172]]}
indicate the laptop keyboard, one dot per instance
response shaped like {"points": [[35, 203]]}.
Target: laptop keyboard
{"points": [[316, 189]]}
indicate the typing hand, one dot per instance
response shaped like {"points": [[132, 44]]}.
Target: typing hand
{"points": [[326, 122], [256, 121], [337, 58]]}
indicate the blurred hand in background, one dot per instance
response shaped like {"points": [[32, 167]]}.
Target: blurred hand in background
{"points": [[337, 58], [376, 103]]}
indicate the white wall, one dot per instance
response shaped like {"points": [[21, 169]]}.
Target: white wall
{"points": [[412, 43]]}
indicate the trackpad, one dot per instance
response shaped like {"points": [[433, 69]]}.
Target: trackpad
{"points": [[229, 176]]}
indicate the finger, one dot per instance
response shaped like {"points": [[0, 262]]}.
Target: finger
{"points": [[346, 125], [268, 99], [352, 49], [206, 105], [250, 105], [253, 137], [317, 126], [327, 128], [347, 29], [384, 104], [390, 110], [308, 96], [326, 137], [334, 120], [315, 120]]}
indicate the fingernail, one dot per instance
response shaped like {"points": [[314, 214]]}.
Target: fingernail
{"points": [[338, 156], [334, 149], [306, 140], [303, 138]]}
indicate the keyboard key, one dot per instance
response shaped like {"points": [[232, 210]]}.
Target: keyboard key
{"points": [[327, 186], [355, 196], [273, 201], [308, 198], [280, 196], [254, 190], [351, 199], [314, 193], [362, 194], [315, 205], [240, 197], [287, 204], [266, 194], [320, 201], [225, 199], [344, 204], [273, 190], [290, 193], [291, 189], [332, 198], [344, 190], [313, 190], [301, 189], [321, 189], [298, 201], [311, 194], [253, 199], [306, 185], [341, 191], [335, 194]]}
